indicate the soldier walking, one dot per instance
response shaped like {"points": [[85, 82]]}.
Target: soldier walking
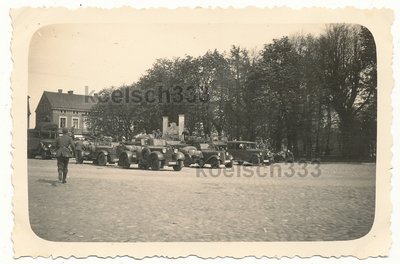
{"points": [[63, 154]]}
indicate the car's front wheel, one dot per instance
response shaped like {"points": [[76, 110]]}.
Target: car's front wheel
{"points": [[124, 162], [155, 164], [101, 159], [255, 160], [201, 163], [179, 166], [44, 155], [187, 161], [214, 162]]}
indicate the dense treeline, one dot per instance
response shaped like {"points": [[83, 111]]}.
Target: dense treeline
{"points": [[314, 95]]}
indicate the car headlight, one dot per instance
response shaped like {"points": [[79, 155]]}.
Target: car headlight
{"points": [[164, 150], [175, 151], [227, 153]]}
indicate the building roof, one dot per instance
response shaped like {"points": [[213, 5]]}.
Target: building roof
{"points": [[69, 100]]}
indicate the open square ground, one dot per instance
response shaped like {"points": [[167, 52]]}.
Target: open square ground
{"points": [[243, 203]]}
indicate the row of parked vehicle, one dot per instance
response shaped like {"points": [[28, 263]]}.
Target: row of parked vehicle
{"points": [[159, 153], [148, 152]]}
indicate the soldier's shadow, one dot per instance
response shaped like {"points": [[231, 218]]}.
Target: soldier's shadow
{"points": [[51, 182]]}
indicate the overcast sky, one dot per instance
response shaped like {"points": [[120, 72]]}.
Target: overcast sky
{"points": [[70, 56]]}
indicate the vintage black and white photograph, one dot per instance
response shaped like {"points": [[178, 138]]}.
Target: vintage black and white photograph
{"points": [[202, 132]]}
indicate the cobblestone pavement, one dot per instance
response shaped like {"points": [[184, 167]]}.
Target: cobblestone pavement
{"points": [[239, 204]]}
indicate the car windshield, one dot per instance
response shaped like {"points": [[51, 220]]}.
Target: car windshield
{"points": [[206, 146], [103, 143], [221, 147], [246, 146], [152, 142], [190, 148], [157, 142]]}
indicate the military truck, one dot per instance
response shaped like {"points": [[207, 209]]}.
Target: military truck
{"points": [[41, 140]]}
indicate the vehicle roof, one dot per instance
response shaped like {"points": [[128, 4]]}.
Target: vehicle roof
{"points": [[219, 142], [189, 146], [242, 141]]}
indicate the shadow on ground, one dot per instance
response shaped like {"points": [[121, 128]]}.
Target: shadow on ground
{"points": [[52, 182]]}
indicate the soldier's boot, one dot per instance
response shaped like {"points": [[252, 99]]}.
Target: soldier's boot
{"points": [[64, 179], [60, 175]]}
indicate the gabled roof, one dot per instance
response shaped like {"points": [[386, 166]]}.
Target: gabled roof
{"points": [[59, 100]]}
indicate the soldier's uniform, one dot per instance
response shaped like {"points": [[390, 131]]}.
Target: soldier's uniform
{"points": [[63, 154]]}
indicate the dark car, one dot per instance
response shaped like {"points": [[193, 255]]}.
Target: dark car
{"points": [[246, 151], [41, 141], [192, 155], [213, 155], [100, 152], [220, 145], [149, 153]]}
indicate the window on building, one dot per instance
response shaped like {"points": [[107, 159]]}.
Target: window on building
{"points": [[85, 123], [62, 122], [75, 122]]}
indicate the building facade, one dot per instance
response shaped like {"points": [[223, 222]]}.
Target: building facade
{"points": [[66, 110]]}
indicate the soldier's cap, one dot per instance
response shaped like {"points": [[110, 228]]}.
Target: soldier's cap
{"points": [[65, 130]]}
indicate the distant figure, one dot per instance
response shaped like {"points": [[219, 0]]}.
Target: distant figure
{"points": [[185, 135], [63, 154], [78, 151], [159, 134], [73, 132], [289, 156], [261, 144]]}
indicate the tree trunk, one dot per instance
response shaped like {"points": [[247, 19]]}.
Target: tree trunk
{"points": [[328, 136], [346, 135], [317, 145]]}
